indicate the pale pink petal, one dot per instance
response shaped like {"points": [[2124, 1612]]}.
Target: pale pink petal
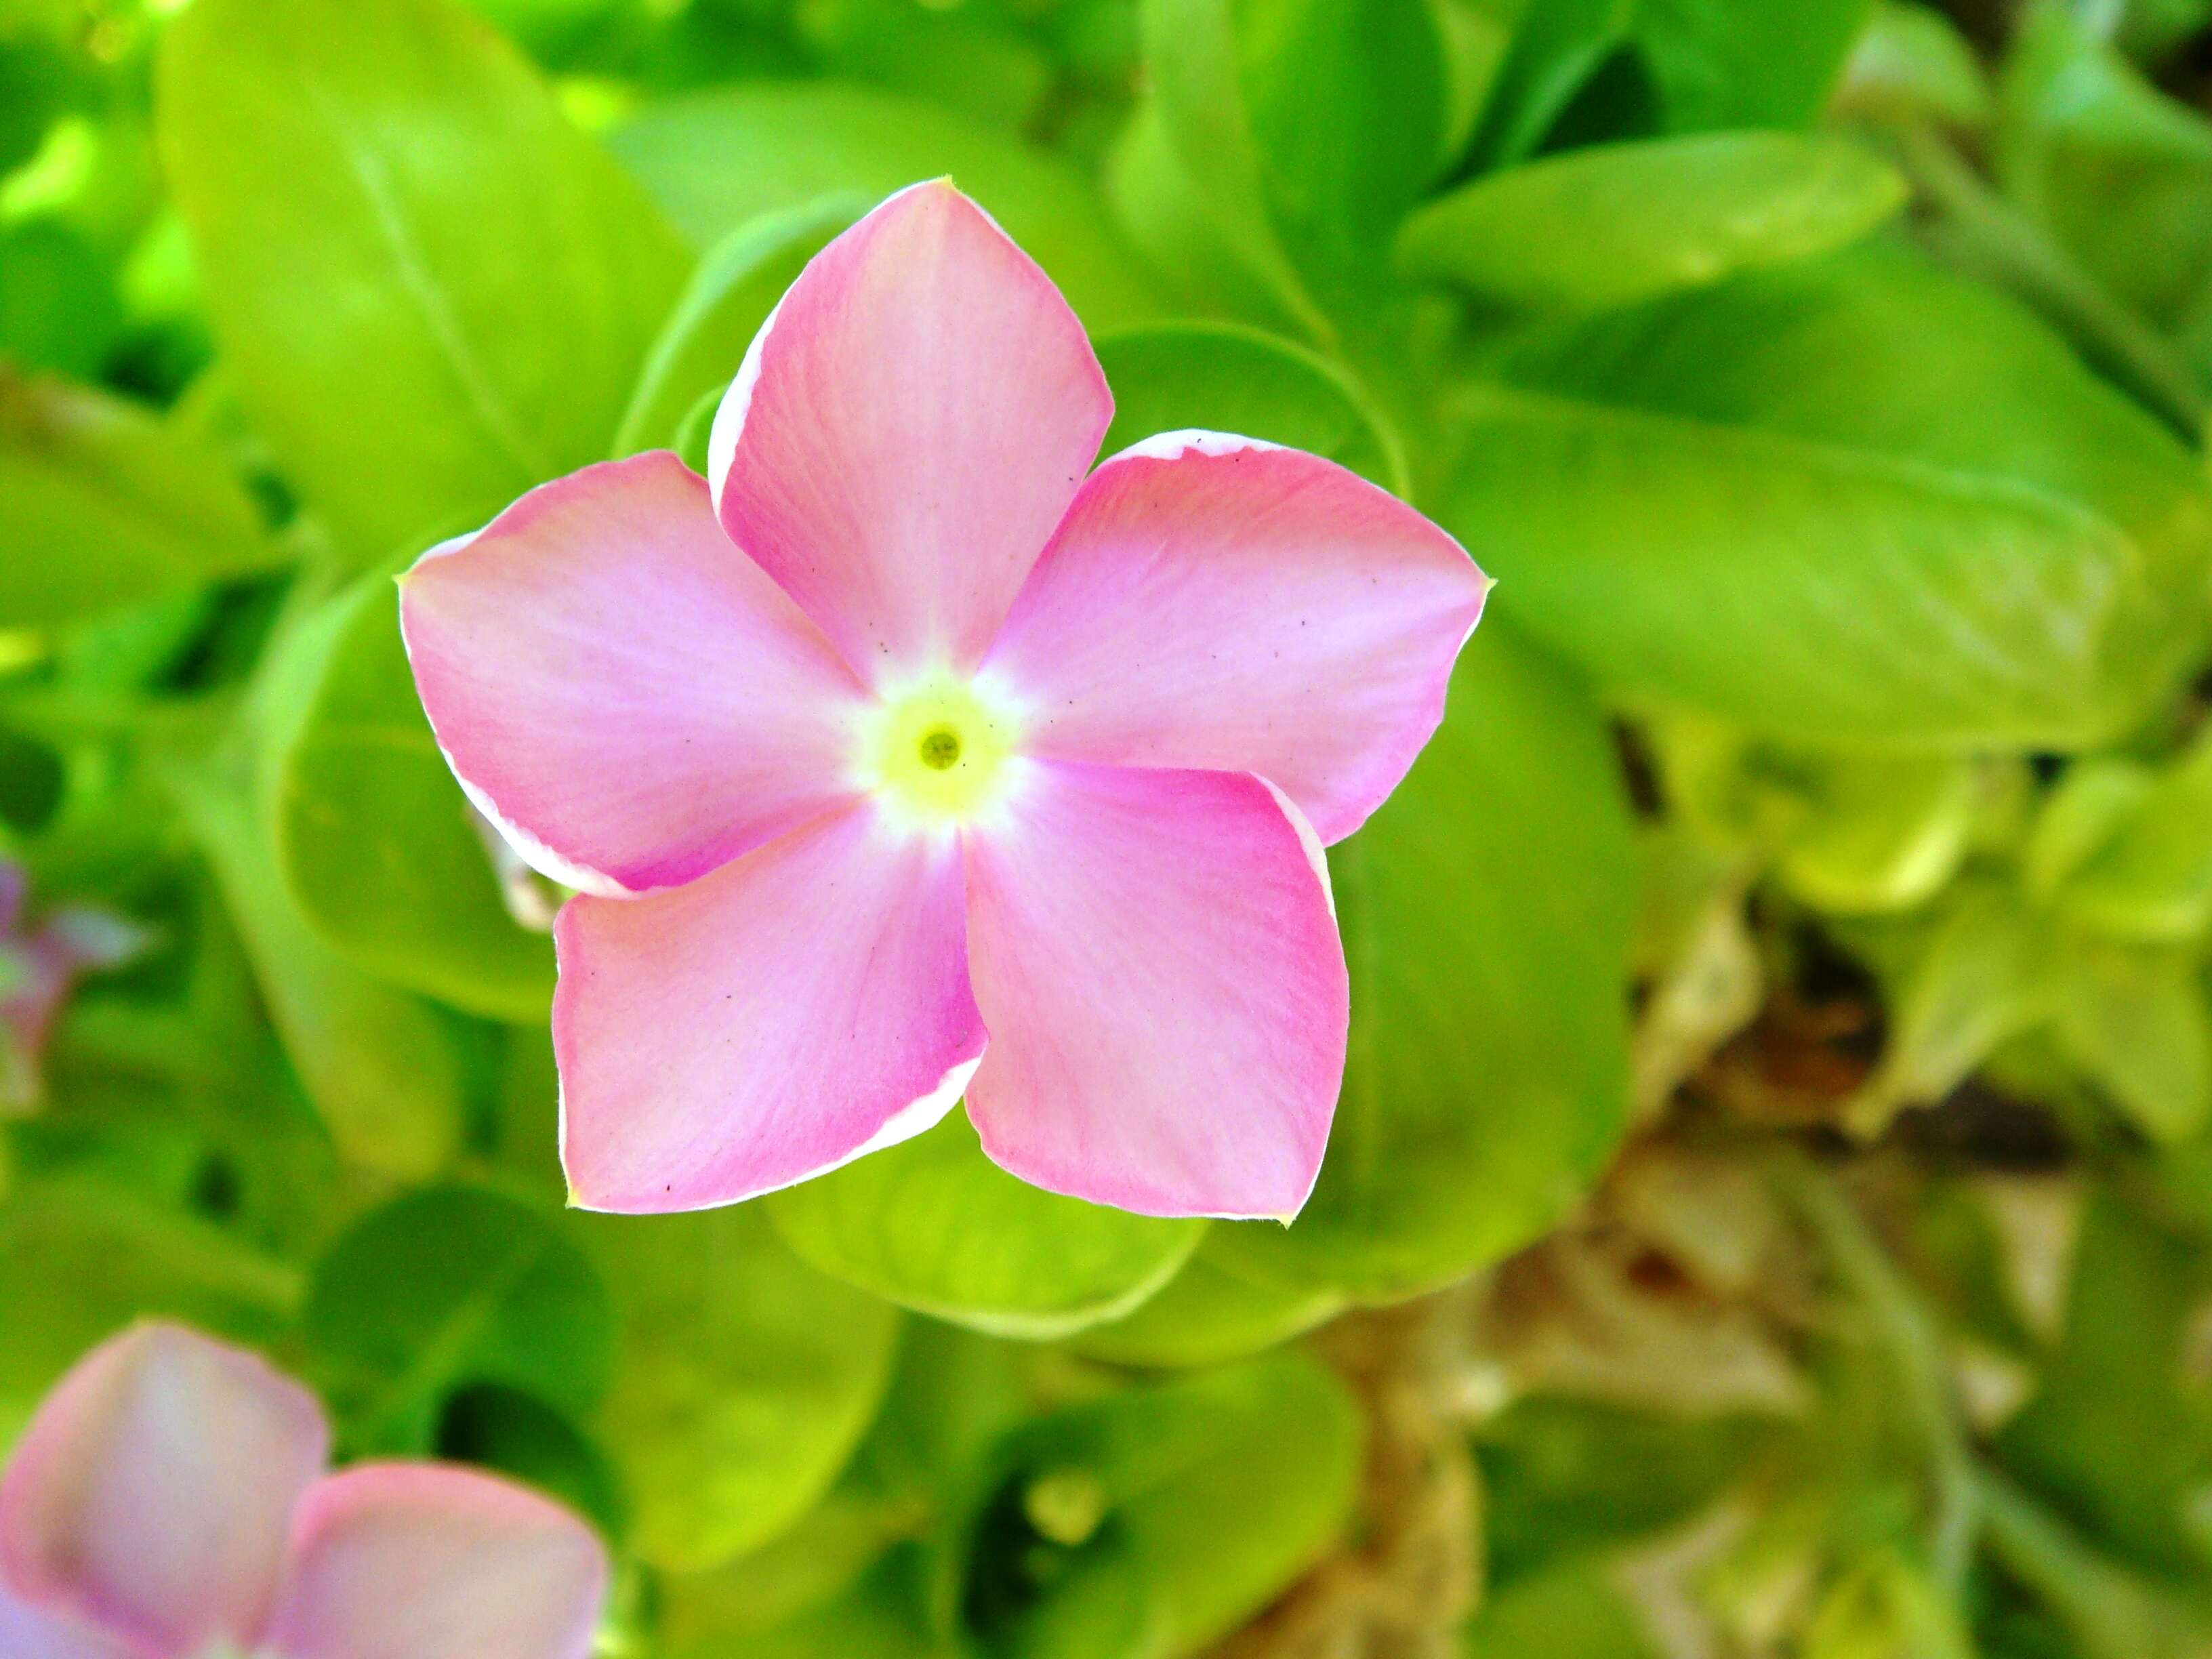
{"points": [[906, 431], [1211, 602], [153, 1492], [418, 1561], [1156, 960], [620, 690], [29, 1633], [796, 1008]]}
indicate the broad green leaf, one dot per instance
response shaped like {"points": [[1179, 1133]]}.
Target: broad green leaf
{"points": [[445, 1288], [1158, 202], [104, 504], [376, 1062], [2120, 172], [1787, 499], [1486, 912], [1208, 1315], [59, 313], [1224, 1487], [1746, 62], [717, 160], [431, 292], [1223, 377], [1306, 127], [934, 1225], [1649, 218], [1881, 834], [2136, 1022], [1575, 1611], [1912, 60], [731, 294], [2120, 1433], [379, 848], [1563, 1476], [2141, 863], [744, 1380], [965, 58], [1209, 164], [1848, 832], [1559, 45], [80, 1259], [1981, 976]]}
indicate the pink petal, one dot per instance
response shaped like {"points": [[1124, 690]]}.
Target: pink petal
{"points": [[906, 431], [1156, 960], [795, 1009], [27, 1632], [153, 1492], [619, 689], [415, 1561], [1217, 603]]}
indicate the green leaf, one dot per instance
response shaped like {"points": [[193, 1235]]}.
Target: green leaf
{"points": [[717, 160], [2120, 173], [1223, 377], [2120, 1433], [104, 504], [1486, 913], [445, 1288], [2136, 1022], [1650, 218], [1576, 1611], [1208, 1315], [744, 1380], [80, 1259], [1981, 976], [1306, 127], [1559, 45], [431, 292], [731, 294], [1563, 1476], [2141, 863], [1224, 1487], [934, 1225], [1912, 60], [1746, 62], [1783, 500], [378, 846], [376, 1062]]}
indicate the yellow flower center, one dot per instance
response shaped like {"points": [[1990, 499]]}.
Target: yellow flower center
{"points": [[936, 752]]}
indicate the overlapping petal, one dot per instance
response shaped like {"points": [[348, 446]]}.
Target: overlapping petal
{"points": [[153, 1492], [623, 692], [29, 1633], [1209, 602], [407, 1561], [795, 1008], [1155, 957], [907, 430]]}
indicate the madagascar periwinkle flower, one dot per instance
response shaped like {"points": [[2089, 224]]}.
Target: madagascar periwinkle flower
{"points": [[169, 1501], [899, 759], [41, 960]]}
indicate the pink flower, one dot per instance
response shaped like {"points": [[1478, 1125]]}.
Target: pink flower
{"points": [[169, 1502], [904, 760], [39, 968]]}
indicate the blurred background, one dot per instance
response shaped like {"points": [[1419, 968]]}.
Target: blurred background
{"points": [[1771, 1209]]}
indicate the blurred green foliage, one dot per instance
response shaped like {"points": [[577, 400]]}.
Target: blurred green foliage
{"points": [[1769, 1211]]}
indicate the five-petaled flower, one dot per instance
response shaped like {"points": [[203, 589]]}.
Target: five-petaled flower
{"points": [[900, 758], [169, 1501]]}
